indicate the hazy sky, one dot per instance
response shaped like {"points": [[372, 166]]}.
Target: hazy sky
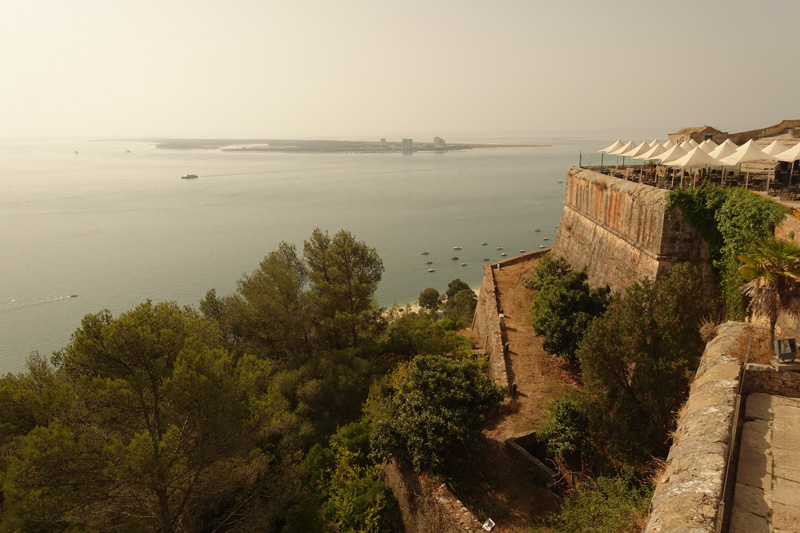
{"points": [[358, 69]]}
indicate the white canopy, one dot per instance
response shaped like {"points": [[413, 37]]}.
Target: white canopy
{"points": [[723, 150], [669, 144], [775, 147], [688, 145], [746, 152], [696, 158], [639, 150], [792, 154], [708, 145], [610, 149], [658, 149], [673, 153], [627, 147]]}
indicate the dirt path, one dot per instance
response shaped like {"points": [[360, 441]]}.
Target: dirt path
{"points": [[508, 494]]}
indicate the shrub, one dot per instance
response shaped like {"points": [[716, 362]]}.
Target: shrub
{"points": [[437, 402], [563, 305], [605, 505]]}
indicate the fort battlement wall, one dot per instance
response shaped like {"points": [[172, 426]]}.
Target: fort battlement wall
{"points": [[622, 232]]}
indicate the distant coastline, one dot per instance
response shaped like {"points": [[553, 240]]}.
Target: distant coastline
{"points": [[322, 146]]}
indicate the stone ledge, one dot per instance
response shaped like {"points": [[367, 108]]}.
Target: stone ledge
{"points": [[687, 495]]}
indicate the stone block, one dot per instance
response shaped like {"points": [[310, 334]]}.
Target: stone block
{"points": [[683, 512], [754, 500], [786, 492], [754, 468], [758, 406], [786, 463], [756, 435], [710, 424], [716, 393], [786, 518], [744, 522], [785, 433], [717, 372]]}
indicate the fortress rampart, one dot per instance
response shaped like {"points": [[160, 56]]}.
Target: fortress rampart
{"points": [[622, 232]]}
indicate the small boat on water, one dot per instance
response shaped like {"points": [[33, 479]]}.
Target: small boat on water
{"points": [[503, 254], [454, 258], [484, 243], [428, 262], [463, 264], [499, 248], [522, 251], [546, 238], [189, 177], [456, 247], [486, 259], [431, 270], [424, 253], [543, 246]]}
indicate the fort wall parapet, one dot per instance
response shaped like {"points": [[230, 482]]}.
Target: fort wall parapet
{"points": [[688, 493]]}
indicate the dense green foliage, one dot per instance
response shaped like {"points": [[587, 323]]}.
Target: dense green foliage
{"points": [[772, 269], [637, 361], [456, 286], [436, 403], [563, 305], [147, 418], [605, 505], [345, 492], [344, 275], [566, 430], [247, 417], [461, 307], [290, 307], [429, 298], [729, 220], [413, 334]]}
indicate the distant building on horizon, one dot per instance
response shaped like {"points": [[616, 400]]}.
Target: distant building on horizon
{"points": [[408, 146], [438, 142]]}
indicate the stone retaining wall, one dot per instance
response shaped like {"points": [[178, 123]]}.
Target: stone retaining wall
{"points": [[769, 380], [688, 493], [427, 505], [621, 232], [487, 325]]}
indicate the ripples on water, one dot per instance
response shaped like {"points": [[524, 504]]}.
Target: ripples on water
{"points": [[117, 228]]}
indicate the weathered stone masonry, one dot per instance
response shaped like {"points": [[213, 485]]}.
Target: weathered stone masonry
{"points": [[622, 233], [688, 493]]}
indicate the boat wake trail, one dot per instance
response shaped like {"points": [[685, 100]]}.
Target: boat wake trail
{"points": [[13, 305]]}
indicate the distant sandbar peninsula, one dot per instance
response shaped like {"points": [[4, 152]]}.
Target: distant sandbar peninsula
{"points": [[326, 146]]}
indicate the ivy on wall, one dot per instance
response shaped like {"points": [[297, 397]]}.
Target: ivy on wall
{"points": [[728, 220]]}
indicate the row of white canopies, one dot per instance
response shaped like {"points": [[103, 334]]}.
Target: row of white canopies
{"points": [[690, 154]]}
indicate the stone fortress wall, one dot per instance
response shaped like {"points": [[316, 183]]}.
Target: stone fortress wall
{"points": [[622, 232]]}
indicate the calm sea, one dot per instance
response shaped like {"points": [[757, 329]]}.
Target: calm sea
{"points": [[115, 225]]}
